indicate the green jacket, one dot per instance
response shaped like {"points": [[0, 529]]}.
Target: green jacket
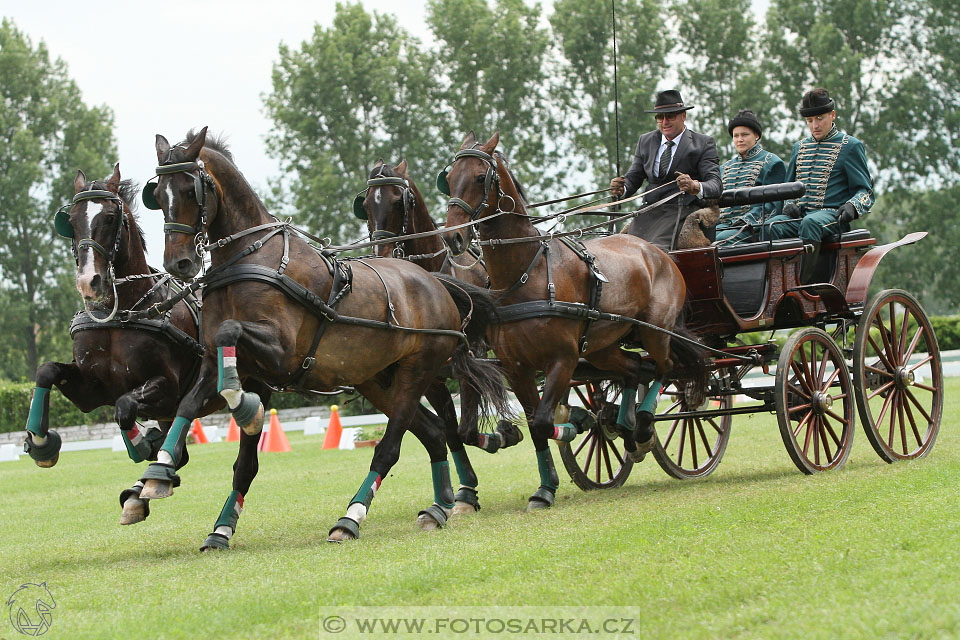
{"points": [[834, 171], [756, 167]]}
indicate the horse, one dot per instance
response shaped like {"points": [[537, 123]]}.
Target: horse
{"points": [[282, 314], [392, 205], [555, 311], [141, 367]]}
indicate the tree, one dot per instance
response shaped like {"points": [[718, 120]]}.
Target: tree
{"points": [[494, 78], [352, 93], [46, 134], [723, 74], [584, 32]]}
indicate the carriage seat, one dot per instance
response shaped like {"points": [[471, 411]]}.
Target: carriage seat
{"points": [[759, 248], [854, 235]]}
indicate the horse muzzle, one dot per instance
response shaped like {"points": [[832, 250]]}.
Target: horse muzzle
{"points": [[182, 268], [455, 242]]}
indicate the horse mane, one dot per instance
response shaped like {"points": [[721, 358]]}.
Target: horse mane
{"points": [[127, 191], [521, 190], [217, 143]]}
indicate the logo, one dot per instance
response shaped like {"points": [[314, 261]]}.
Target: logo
{"points": [[29, 608]]}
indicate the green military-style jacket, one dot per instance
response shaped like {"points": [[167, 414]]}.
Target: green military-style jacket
{"points": [[834, 171], [756, 167]]}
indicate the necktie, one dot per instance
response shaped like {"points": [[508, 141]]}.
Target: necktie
{"points": [[665, 161]]}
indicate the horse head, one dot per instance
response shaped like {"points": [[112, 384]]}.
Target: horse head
{"points": [[102, 227], [389, 203], [186, 194], [473, 183]]}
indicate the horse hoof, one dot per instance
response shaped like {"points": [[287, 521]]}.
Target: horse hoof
{"points": [[426, 523], [643, 448], [134, 511], [340, 535], [156, 489], [46, 464], [215, 542], [255, 426], [464, 507], [537, 505]]}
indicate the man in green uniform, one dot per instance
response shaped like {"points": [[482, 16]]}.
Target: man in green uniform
{"points": [[751, 167], [833, 166]]}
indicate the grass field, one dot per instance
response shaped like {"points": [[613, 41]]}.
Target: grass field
{"points": [[756, 550]]}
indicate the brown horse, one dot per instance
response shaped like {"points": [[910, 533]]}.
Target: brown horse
{"points": [[641, 282], [142, 368], [282, 313], [393, 206]]}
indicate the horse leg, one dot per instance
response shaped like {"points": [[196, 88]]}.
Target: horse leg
{"points": [[657, 345], [244, 471], [160, 478], [466, 497], [400, 402], [505, 435], [42, 443], [629, 365]]}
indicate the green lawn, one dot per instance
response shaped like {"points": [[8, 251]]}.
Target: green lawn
{"points": [[756, 550]]}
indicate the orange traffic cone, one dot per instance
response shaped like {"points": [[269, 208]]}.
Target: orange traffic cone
{"points": [[197, 432], [274, 439], [233, 433], [334, 430]]}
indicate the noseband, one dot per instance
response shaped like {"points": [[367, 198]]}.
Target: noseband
{"points": [[407, 197], [490, 180]]}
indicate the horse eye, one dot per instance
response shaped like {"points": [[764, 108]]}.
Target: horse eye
{"points": [[481, 177]]}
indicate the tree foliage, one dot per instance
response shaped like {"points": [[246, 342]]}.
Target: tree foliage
{"points": [[46, 134]]}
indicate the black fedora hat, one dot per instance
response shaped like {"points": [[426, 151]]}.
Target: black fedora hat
{"points": [[669, 101], [815, 102], [745, 118]]}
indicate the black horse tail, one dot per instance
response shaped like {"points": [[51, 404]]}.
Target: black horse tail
{"points": [[479, 309], [690, 360]]}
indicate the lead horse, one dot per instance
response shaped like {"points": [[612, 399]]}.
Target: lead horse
{"points": [[141, 367], [393, 207], [284, 314], [562, 301]]}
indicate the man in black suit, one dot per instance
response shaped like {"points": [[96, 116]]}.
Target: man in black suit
{"points": [[673, 158]]}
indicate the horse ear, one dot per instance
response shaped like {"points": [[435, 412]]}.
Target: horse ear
{"points": [[162, 147], [80, 181], [469, 140], [378, 163], [113, 184], [492, 143], [402, 167], [193, 151]]}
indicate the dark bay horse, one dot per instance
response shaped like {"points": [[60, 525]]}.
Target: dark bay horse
{"points": [[279, 312], [142, 368], [392, 206], [639, 281]]}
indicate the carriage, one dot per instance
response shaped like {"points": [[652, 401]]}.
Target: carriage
{"points": [[879, 354]]}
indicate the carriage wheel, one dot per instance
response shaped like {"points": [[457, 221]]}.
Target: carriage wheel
{"points": [[897, 375], [814, 401], [595, 460], [692, 447]]}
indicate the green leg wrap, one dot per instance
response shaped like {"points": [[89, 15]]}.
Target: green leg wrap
{"points": [[368, 489], [131, 448], [628, 407], [564, 432], [227, 377], [548, 473], [246, 411], [179, 427], [230, 513], [442, 491], [650, 400], [39, 406], [464, 470]]}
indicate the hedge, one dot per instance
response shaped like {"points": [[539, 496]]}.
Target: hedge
{"points": [[947, 329]]}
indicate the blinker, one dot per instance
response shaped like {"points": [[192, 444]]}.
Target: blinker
{"points": [[61, 222], [358, 211], [147, 196], [442, 185]]}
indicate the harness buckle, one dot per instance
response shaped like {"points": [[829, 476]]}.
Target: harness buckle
{"points": [[308, 363], [524, 278]]}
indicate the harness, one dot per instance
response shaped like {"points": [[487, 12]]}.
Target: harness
{"points": [[408, 198]]}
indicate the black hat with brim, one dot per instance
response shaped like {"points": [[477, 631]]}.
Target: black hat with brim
{"points": [[669, 101], [815, 103], [745, 118]]}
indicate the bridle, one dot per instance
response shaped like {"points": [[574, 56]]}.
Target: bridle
{"points": [[61, 222], [491, 182], [408, 197], [201, 182]]}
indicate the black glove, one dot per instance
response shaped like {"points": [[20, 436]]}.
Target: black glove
{"points": [[847, 212], [792, 210]]}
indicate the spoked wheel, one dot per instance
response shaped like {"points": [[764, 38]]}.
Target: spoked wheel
{"points": [[814, 401], [691, 447], [898, 377], [595, 460]]}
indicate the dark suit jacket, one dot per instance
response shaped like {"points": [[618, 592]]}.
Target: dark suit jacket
{"points": [[696, 155]]}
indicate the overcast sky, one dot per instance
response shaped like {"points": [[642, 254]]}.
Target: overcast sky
{"points": [[165, 67]]}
